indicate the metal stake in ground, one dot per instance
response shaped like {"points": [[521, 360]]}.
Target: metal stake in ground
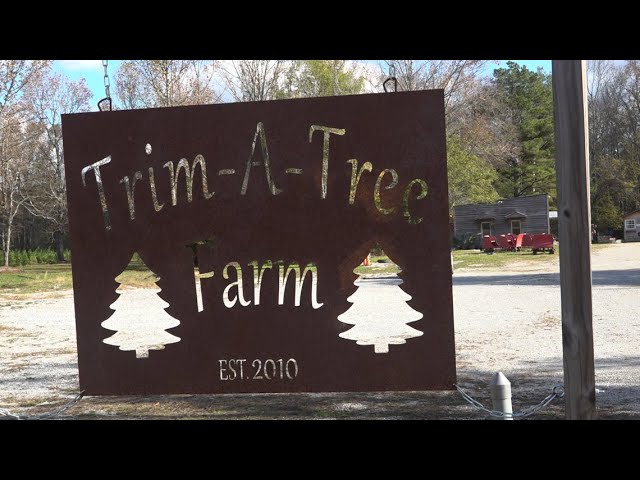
{"points": [[574, 228], [500, 388]]}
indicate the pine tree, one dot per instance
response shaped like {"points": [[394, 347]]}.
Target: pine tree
{"points": [[380, 316], [138, 326], [527, 104]]}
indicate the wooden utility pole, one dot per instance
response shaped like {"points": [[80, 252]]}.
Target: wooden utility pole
{"points": [[574, 228]]}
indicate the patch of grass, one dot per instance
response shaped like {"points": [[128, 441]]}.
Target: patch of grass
{"points": [[476, 259], [33, 402], [387, 269], [324, 414], [36, 278], [465, 259], [380, 265], [137, 275], [19, 282], [31, 279], [601, 246]]}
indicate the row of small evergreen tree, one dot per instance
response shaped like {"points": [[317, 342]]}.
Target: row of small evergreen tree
{"points": [[38, 256]]}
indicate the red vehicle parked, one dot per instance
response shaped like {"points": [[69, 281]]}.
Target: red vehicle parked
{"points": [[489, 244], [542, 242], [507, 242], [538, 242], [525, 240]]}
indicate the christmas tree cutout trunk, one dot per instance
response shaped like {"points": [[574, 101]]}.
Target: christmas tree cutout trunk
{"points": [[380, 314], [139, 320]]}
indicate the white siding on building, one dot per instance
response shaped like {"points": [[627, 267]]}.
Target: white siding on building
{"points": [[632, 227]]}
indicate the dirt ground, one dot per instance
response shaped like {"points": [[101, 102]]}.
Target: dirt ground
{"points": [[507, 320]]}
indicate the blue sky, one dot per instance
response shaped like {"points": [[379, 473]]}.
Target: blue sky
{"points": [[530, 64], [92, 72]]}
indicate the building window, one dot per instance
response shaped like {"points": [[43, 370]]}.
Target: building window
{"points": [[485, 228], [630, 224], [516, 227]]}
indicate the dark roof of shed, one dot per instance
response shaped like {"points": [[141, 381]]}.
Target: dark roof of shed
{"points": [[499, 202]]}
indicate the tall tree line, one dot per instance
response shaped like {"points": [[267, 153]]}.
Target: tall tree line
{"points": [[614, 141], [33, 211], [499, 126]]}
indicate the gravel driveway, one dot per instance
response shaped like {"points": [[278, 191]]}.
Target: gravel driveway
{"points": [[507, 320]]}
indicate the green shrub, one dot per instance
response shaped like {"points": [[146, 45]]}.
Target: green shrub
{"points": [[51, 257], [14, 258], [468, 242], [18, 258]]}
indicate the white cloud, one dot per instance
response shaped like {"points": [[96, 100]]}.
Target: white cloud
{"points": [[76, 65]]}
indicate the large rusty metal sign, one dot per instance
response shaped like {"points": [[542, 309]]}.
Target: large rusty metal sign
{"points": [[253, 217]]}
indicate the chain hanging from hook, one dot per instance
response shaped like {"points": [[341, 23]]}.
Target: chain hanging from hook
{"points": [[391, 78], [104, 105]]}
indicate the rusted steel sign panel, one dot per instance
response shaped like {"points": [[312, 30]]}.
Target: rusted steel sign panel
{"points": [[254, 216]]}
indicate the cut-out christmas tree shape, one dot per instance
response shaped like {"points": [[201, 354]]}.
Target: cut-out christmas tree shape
{"points": [[380, 314], [139, 320]]}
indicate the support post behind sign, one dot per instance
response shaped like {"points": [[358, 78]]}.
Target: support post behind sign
{"points": [[574, 220]]}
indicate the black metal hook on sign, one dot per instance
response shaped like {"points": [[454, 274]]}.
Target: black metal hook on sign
{"points": [[104, 105], [395, 84]]}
